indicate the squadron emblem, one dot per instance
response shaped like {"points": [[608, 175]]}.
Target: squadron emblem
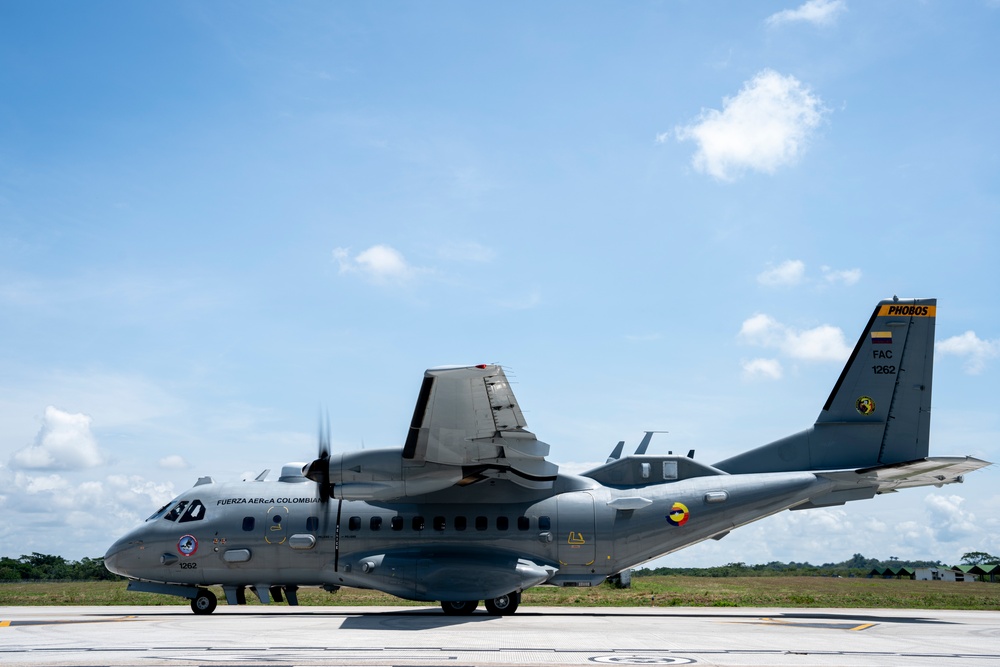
{"points": [[865, 405], [679, 515], [187, 545]]}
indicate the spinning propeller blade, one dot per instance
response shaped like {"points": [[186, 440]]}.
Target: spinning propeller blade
{"points": [[319, 470]]}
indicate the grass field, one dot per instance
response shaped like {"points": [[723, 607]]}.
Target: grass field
{"points": [[677, 591]]}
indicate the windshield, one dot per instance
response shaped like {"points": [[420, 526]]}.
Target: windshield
{"points": [[182, 511]]}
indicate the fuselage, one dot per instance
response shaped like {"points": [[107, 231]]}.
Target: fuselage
{"points": [[470, 509], [281, 533]]}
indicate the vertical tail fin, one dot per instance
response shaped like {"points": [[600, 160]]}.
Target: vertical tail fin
{"points": [[879, 410], [887, 381]]}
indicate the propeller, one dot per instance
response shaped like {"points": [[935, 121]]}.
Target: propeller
{"points": [[319, 470]]}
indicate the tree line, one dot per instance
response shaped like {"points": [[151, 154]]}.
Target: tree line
{"points": [[856, 566], [42, 567]]}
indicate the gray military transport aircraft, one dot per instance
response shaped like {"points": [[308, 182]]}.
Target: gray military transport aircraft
{"points": [[469, 508]]}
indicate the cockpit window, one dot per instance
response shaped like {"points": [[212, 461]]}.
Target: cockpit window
{"points": [[175, 513], [157, 513], [186, 510], [196, 512]]}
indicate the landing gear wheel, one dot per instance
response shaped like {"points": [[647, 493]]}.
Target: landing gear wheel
{"points": [[460, 608], [204, 602], [505, 605]]}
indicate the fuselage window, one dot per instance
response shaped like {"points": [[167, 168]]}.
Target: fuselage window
{"points": [[503, 523], [523, 523], [439, 523], [248, 523], [175, 513], [482, 523], [460, 523], [544, 523], [418, 523], [354, 523], [312, 523], [396, 523], [375, 523], [196, 512]]}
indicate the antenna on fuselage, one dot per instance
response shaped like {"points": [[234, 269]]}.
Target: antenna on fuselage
{"points": [[616, 452], [644, 445]]}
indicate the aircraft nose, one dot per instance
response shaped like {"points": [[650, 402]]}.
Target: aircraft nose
{"points": [[115, 560]]}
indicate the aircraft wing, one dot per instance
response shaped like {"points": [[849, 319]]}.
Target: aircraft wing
{"points": [[931, 471], [468, 416]]}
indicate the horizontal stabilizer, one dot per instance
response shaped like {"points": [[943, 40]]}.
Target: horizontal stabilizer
{"points": [[932, 471]]}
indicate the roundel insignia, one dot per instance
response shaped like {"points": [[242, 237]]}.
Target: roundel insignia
{"points": [[679, 515], [865, 405], [187, 545]]}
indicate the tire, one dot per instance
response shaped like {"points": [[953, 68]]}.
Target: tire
{"points": [[204, 603], [505, 605], [459, 608]]}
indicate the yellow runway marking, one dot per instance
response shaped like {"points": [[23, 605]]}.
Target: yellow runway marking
{"points": [[120, 619], [854, 627]]}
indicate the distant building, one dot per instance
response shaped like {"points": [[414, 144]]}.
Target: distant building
{"points": [[942, 574], [891, 572], [989, 572]]}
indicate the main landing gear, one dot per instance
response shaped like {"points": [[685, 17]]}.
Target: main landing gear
{"points": [[205, 602], [504, 605]]}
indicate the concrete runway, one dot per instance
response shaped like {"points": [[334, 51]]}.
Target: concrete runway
{"points": [[535, 636]]}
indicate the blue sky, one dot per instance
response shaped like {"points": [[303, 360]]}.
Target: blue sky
{"points": [[216, 218]]}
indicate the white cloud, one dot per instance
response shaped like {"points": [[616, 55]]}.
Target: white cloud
{"points": [[817, 12], [762, 330], [822, 343], [173, 462], [769, 369], [42, 484], [766, 126], [468, 251], [949, 520], [532, 299], [643, 337], [792, 272], [86, 514], [63, 443], [844, 276], [976, 350], [789, 272], [379, 263]]}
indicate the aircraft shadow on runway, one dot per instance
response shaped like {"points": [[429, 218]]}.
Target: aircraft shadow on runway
{"points": [[430, 619]]}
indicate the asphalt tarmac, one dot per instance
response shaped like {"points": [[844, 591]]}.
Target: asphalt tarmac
{"points": [[282, 636]]}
